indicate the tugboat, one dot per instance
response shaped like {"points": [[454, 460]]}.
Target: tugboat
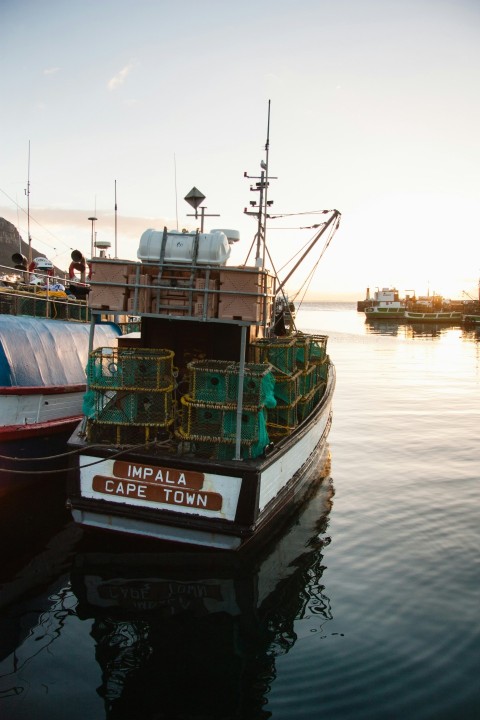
{"points": [[386, 303], [205, 428]]}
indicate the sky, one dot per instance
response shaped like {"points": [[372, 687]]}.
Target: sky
{"points": [[374, 111]]}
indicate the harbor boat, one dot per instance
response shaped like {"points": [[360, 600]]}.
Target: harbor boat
{"points": [[385, 304], [204, 429], [385, 312], [442, 316], [44, 345], [471, 319], [42, 384]]}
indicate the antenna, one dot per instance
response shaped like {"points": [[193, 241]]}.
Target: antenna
{"points": [[267, 148], [115, 219], [259, 210], [176, 196], [27, 193], [92, 219]]}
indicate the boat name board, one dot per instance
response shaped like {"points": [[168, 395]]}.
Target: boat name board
{"points": [[163, 475], [156, 591], [152, 492]]}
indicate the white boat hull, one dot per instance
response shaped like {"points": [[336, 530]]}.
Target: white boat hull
{"points": [[237, 500], [39, 406]]}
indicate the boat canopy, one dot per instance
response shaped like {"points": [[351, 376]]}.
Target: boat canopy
{"points": [[43, 352]]}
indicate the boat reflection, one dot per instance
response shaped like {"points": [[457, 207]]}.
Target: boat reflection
{"points": [[384, 327], [408, 330], [196, 634]]}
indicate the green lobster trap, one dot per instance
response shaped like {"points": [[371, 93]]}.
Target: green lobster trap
{"points": [[212, 429], [207, 421], [130, 396], [279, 352], [307, 380], [123, 434], [321, 371], [287, 389], [225, 450], [133, 369], [217, 382], [307, 403], [302, 352], [282, 420], [154, 407], [318, 349]]}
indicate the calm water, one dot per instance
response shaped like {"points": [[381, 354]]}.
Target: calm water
{"points": [[368, 606]]}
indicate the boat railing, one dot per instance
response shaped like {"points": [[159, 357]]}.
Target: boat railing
{"points": [[47, 296], [233, 294]]}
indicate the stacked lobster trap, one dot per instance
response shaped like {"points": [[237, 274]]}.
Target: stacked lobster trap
{"points": [[210, 411], [130, 396], [300, 367]]}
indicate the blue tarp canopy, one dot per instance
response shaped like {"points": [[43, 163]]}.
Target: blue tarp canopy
{"points": [[41, 352]]}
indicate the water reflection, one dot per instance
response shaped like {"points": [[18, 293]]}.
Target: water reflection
{"points": [[384, 327], [196, 634], [401, 328]]}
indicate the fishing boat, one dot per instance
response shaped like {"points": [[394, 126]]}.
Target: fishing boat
{"points": [[205, 428], [42, 384], [395, 311], [44, 345], [441, 316], [385, 304], [471, 320]]}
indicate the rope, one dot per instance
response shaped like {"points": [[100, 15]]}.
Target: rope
{"points": [[130, 448]]}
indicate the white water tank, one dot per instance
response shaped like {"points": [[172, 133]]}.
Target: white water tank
{"points": [[213, 247]]}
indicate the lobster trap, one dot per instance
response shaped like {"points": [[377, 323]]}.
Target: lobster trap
{"points": [[212, 431], [209, 415], [280, 352], [136, 369], [217, 381], [131, 394]]}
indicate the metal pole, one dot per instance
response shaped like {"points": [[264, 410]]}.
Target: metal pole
{"points": [[93, 233], [241, 377]]}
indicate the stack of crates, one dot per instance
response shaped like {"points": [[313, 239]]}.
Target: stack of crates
{"points": [[280, 352], [209, 410], [312, 353], [109, 290], [245, 294], [131, 394], [300, 367]]}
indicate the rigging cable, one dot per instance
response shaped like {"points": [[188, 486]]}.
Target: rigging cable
{"points": [[64, 470]]}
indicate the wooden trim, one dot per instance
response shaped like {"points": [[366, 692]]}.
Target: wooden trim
{"points": [[42, 389], [21, 432]]}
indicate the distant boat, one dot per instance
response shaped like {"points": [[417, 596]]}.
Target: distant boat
{"points": [[386, 303], [471, 319], [390, 312], [433, 317]]}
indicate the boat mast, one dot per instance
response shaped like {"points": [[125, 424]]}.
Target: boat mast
{"points": [[263, 203], [27, 193], [116, 219]]}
